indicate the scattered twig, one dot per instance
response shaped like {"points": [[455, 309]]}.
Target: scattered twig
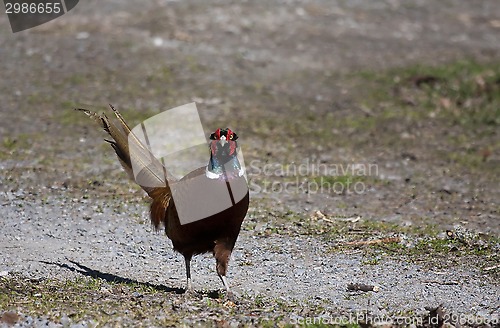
{"points": [[327, 220], [352, 219], [373, 242], [363, 288], [319, 215], [357, 251], [366, 110], [451, 282], [425, 79], [357, 232]]}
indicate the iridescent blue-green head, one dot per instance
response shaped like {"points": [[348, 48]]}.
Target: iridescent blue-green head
{"points": [[224, 162]]}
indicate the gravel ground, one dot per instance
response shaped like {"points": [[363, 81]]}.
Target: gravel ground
{"points": [[64, 238]]}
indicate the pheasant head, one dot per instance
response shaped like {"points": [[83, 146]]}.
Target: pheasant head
{"points": [[224, 163]]}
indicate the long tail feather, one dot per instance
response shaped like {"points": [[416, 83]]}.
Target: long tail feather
{"points": [[137, 160]]}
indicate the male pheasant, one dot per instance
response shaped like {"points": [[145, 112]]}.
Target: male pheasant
{"points": [[219, 188]]}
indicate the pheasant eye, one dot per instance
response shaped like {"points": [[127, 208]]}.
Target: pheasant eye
{"points": [[217, 134], [231, 136]]}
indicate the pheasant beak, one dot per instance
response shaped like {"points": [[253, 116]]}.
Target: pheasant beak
{"points": [[222, 140]]}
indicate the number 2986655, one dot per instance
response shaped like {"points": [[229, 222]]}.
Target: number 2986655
{"points": [[33, 8]]}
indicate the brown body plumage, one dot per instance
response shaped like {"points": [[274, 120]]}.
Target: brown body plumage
{"points": [[216, 233]]}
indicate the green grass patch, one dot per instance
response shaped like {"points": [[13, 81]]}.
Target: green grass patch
{"points": [[17, 146], [464, 93], [96, 302]]}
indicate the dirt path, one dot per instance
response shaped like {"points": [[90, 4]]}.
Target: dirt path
{"points": [[299, 269]]}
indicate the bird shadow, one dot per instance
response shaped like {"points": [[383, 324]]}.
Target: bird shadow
{"points": [[109, 277]]}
